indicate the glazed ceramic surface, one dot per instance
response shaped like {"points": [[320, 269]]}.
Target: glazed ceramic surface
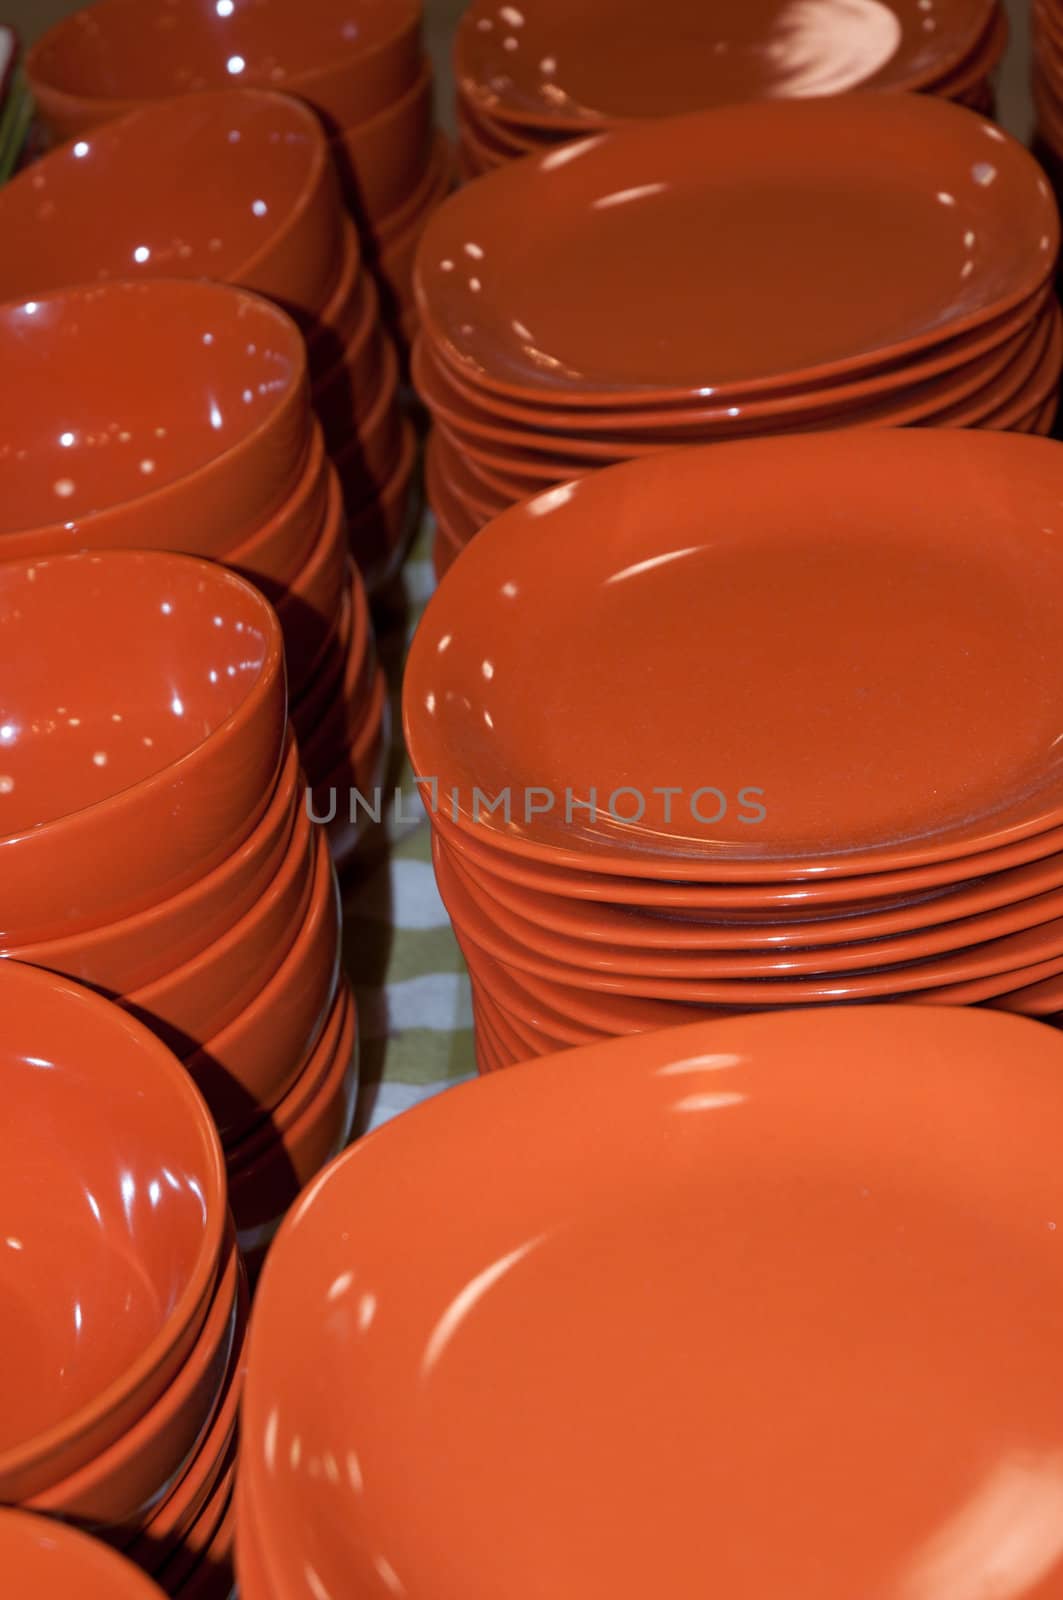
{"points": [[822, 203], [348, 60], [98, 451], [912, 631], [129, 201], [43, 1558], [114, 1210], [577, 62], [141, 726], [488, 1314]]}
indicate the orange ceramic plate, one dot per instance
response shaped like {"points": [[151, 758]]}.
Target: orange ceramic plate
{"points": [[859, 230], [577, 63], [730, 1289], [770, 660]]}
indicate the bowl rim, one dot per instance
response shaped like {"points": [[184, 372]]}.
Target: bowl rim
{"points": [[295, 85], [163, 289], [245, 711], [52, 989], [296, 110]]}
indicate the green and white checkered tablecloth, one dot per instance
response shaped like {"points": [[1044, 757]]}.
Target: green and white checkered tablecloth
{"points": [[410, 982]]}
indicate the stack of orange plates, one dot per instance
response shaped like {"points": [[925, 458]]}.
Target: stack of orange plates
{"points": [[763, 725], [725, 1310], [1047, 27], [126, 1299], [765, 268], [128, 201], [361, 66], [533, 75]]}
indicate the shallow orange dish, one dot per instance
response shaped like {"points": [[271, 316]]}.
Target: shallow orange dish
{"points": [[756, 662], [860, 230], [718, 1286]]}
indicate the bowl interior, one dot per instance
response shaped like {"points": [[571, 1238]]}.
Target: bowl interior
{"points": [[124, 49], [114, 393], [104, 1193], [76, 724], [129, 199]]}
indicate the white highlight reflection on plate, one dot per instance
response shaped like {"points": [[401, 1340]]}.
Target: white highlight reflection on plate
{"points": [[827, 46]]}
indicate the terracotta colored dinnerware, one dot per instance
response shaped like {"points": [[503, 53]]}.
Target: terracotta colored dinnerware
{"points": [[114, 1218], [360, 67], [786, 331], [272, 222], [1046, 21], [227, 461], [122, 787], [129, 201], [486, 1309], [114, 454], [531, 76], [886, 826], [43, 1558]]}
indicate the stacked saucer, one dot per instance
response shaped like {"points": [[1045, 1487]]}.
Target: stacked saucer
{"points": [[763, 725], [126, 1296], [1047, 31], [156, 842], [127, 201], [224, 461], [534, 76], [889, 261], [360, 66]]}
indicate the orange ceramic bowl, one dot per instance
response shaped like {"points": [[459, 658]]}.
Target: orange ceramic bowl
{"points": [[345, 311], [141, 729], [357, 768], [342, 720], [346, 392], [354, 658], [347, 63], [378, 532], [190, 1003], [126, 955], [130, 202], [123, 1482], [358, 398], [310, 606], [273, 555], [382, 161], [328, 670], [169, 1524], [42, 1558], [98, 452], [437, 177], [248, 1066], [310, 1126], [366, 456], [113, 1198]]}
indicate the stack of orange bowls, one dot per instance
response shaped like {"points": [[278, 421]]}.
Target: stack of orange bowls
{"points": [[360, 66], [156, 845], [762, 725], [125, 1297], [223, 461], [128, 201], [534, 75], [1047, 29], [768, 268]]}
